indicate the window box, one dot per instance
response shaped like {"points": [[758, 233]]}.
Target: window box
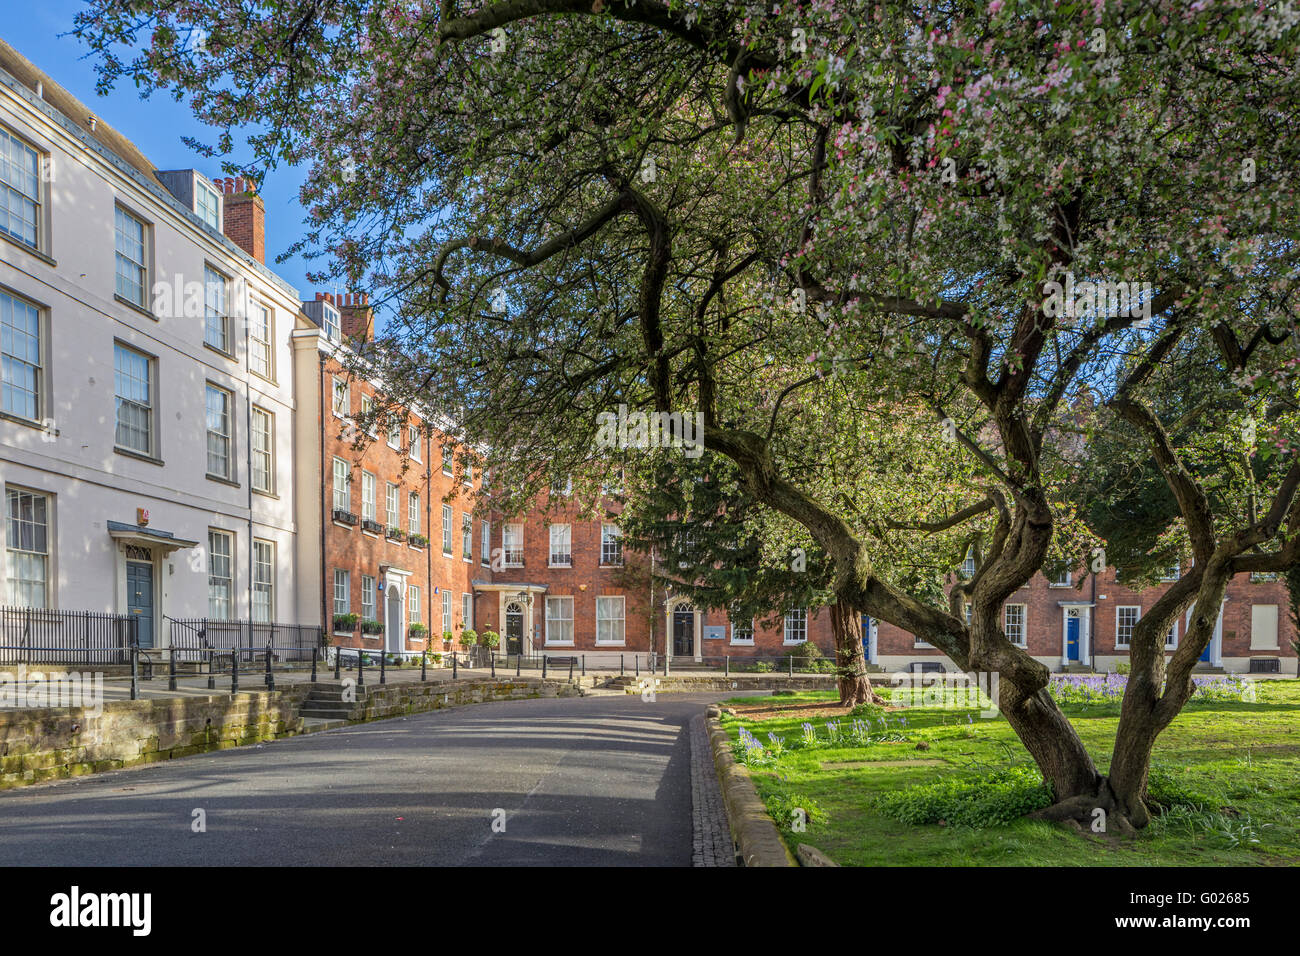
{"points": [[374, 527], [346, 623], [395, 534], [418, 540], [344, 517], [372, 627], [418, 632]]}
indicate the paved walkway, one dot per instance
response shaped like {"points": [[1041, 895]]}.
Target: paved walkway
{"points": [[712, 834], [592, 781]]}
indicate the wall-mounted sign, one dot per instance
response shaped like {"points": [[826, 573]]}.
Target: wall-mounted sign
{"points": [[142, 516]]}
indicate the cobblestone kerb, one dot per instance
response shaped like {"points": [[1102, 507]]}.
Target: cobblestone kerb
{"points": [[755, 834], [48, 744]]}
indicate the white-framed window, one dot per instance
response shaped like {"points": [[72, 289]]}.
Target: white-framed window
{"points": [[559, 620], [133, 399], [610, 623], [330, 322], [413, 513], [27, 547], [467, 609], [341, 402], [1013, 623], [742, 632], [512, 545], [466, 536], [968, 564], [367, 597], [221, 575], [1263, 627], [20, 350], [216, 324], [369, 507], [1172, 573], [485, 543], [367, 410], [263, 581], [20, 189], [446, 610], [611, 545], [392, 506], [342, 485], [219, 403], [413, 604], [796, 625], [448, 465], [446, 529], [129, 244], [1126, 618], [263, 450], [413, 441], [261, 333], [561, 554], [1171, 639], [342, 591], [207, 205], [1062, 580], [395, 435]]}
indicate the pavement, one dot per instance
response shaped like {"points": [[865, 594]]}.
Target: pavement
{"points": [[608, 780]]}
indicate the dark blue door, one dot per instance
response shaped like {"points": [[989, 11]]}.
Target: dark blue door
{"points": [[866, 637], [139, 598], [1072, 638]]}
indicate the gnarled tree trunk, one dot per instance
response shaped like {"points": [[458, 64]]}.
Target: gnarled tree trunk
{"points": [[850, 662]]}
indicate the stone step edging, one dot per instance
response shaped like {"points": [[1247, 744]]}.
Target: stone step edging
{"points": [[754, 832]]}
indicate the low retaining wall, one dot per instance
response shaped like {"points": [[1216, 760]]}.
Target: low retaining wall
{"points": [[737, 682], [48, 744], [755, 834]]}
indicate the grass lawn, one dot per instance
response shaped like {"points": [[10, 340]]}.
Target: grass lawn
{"points": [[1228, 770]]}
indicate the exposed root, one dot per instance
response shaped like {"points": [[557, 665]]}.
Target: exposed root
{"points": [[1090, 814]]}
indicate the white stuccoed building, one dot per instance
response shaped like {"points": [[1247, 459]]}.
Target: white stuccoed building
{"points": [[146, 401]]}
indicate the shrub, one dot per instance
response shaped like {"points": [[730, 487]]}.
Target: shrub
{"points": [[490, 639], [992, 800], [467, 637]]}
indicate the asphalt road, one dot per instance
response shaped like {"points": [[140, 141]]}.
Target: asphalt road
{"points": [[595, 781]]}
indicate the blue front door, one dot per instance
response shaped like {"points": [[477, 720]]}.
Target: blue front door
{"points": [[139, 598], [1072, 638], [866, 637]]}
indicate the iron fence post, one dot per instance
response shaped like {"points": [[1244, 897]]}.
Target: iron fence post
{"points": [[361, 667], [383, 667], [791, 665], [338, 662], [171, 667], [424, 662], [636, 662], [270, 677], [584, 665], [234, 670], [135, 672], [313, 665], [212, 674], [570, 670], [519, 661], [726, 668], [543, 667], [620, 665], [494, 665], [453, 665]]}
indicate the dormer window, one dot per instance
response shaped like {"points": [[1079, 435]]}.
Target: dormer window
{"points": [[333, 328], [207, 204]]}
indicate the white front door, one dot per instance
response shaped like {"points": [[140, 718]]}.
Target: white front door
{"points": [[394, 636]]}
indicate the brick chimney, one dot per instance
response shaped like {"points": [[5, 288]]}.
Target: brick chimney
{"points": [[358, 318], [243, 216]]}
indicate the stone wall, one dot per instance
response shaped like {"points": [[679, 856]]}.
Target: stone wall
{"points": [[48, 744]]}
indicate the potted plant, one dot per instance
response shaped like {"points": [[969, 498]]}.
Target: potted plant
{"points": [[372, 627], [418, 631], [490, 639], [346, 622], [446, 639], [437, 660], [468, 638]]}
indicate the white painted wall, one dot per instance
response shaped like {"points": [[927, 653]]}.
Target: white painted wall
{"points": [[90, 482]]}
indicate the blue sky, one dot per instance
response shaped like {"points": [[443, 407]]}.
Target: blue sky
{"points": [[155, 125]]}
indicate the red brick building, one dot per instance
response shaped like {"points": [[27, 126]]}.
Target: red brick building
{"points": [[399, 543]]}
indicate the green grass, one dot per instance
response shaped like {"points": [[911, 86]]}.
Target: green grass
{"points": [[1228, 772]]}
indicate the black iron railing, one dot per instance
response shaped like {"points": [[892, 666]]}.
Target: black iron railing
{"points": [[216, 643], [31, 635]]}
